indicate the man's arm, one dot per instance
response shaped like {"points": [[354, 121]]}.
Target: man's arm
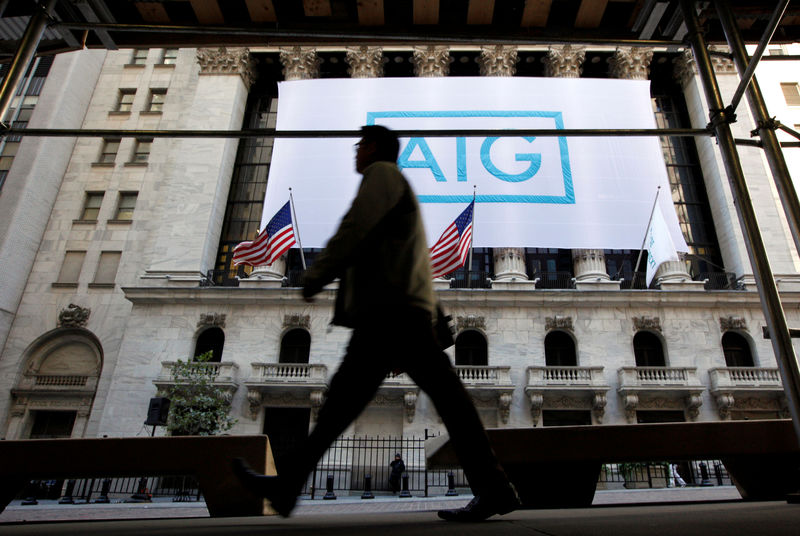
{"points": [[378, 193]]}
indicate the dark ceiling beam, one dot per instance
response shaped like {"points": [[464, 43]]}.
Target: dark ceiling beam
{"points": [[426, 12], [535, 13]]}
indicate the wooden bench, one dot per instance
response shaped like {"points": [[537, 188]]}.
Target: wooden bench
{"points": [[207, 458], [560, 466]]}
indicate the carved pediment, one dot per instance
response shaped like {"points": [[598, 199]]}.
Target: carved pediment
{"points": [[470, 322], [732, 322], [297, 321], [558, 322], [647, 322], [209, 320]]}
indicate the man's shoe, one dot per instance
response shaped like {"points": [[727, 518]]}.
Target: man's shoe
{"points": [[481, 508], [269, 487]]}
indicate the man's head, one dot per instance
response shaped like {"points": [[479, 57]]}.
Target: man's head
{"points": [[377, 144]]}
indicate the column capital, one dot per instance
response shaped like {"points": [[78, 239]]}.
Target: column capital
{"points": [[632, 63], [498, 60], [365, 62], [431, 61], [300, 63], [564, 61], [227, 61]]}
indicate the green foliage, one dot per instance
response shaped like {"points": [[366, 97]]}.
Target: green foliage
{"points": [[197, 405]]}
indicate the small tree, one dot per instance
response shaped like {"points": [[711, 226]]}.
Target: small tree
{"points": [[197, 406]]}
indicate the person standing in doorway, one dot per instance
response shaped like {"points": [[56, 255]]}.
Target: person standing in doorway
{"points": [[381, 257]]}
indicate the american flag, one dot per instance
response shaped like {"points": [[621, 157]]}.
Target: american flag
{"points": [[270, 244], [451, 250]]}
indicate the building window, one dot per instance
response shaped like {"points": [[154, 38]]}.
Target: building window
{"points": [[170, 56], [211, 340], [91, 206], [125, 100], [71, 268], [559, 350], [139, 56], [791, 92], [295, 346], [736, 350], [107, 268], [471, 349], [108, 154], [127, 202], [8, 154], [648, 350], [157, 97], [141, 151]]}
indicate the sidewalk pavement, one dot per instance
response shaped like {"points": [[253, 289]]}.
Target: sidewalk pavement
{"points": [[343, 505]]}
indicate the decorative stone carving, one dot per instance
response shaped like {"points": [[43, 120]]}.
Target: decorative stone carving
{"points": [[559, 322], [509, 263], [254, 401], [564, 61], [410, 405], [504, 406], [211, 320], [659, 402], [431, 61], [300, 63], [365, 62], [722, 64], [470, 322], [631, 63], [73, 316], [566, 402], [316, 397], [537, 401], [227, 61], [630, 402], [693, 403], [297, 321], [684, 68], [732, 322], [498, 60], [647, 323], [725, 402], [599, 402]]}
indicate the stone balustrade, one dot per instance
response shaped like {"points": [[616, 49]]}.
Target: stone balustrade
{"points": [[289, 373], [658, 376], [479, 375], [223, 372], [57, 382], [745, 377], [565, 376]]}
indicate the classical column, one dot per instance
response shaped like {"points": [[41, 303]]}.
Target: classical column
{"points": [[589, 265], [634, 64], [365, 62], [431, 61], [500, 60], [191, 204], [299, 63]]}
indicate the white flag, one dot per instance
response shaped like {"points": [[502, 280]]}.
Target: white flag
{"points": [[659, 245]]}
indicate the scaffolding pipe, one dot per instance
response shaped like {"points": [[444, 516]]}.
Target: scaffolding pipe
{"points": [[24, 54], [728, 27], [318, 37], [273, 133], [769, 139], [767, 289]]}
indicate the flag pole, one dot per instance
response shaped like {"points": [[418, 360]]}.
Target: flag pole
{"points": [[646, 229], [472, 236], [297, 230]]}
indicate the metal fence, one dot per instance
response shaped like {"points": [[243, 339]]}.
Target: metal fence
{"points": [[554, 280], [664, 474], [348, 462], [85, 490], [472, 279]]}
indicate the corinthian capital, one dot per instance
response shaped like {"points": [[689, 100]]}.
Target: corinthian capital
{"points": [[498, 60], [365, 62], [431, 61], [564, 61], [227, 61], [631, 63], [300, 63]]}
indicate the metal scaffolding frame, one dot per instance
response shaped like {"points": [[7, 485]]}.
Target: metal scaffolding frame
{"points": [[719, 126]]}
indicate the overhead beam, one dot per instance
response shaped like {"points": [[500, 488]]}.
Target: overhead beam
{"points": [[207, 12], [535, 13], [317, 8], [152, 11], [480, 12], [370, 12], [261, 10], [426, 11], [590, 13]]}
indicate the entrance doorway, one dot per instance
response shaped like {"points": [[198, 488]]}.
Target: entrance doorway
{"points": [[286, 427], [52, 424]]}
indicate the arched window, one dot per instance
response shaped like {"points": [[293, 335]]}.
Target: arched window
{"points": [[295, 346], [736, 350], [212, 339], [648, 350], [471, 349], [559, 350]]}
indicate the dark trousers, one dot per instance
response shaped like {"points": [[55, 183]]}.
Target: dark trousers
{"points": [[400, 339]]}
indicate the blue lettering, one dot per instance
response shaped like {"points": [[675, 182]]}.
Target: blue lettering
{"points": [[534, 158], [428, 162]]}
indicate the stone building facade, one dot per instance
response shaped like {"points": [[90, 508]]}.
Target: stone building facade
{"points": [[123, 266]]}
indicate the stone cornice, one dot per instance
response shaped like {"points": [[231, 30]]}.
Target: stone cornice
{"points": [[227, 61], [725, 301]]}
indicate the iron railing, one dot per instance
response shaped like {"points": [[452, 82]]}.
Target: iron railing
{"points": [[662, 474], [719, 281], [633, 281], [473, 279], [554, 280], [86, 490]]}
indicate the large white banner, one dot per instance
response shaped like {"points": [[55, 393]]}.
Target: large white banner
{"points": [[546, 191]]}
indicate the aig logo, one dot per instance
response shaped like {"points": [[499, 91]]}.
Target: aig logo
{"points": [[508, 169]]}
